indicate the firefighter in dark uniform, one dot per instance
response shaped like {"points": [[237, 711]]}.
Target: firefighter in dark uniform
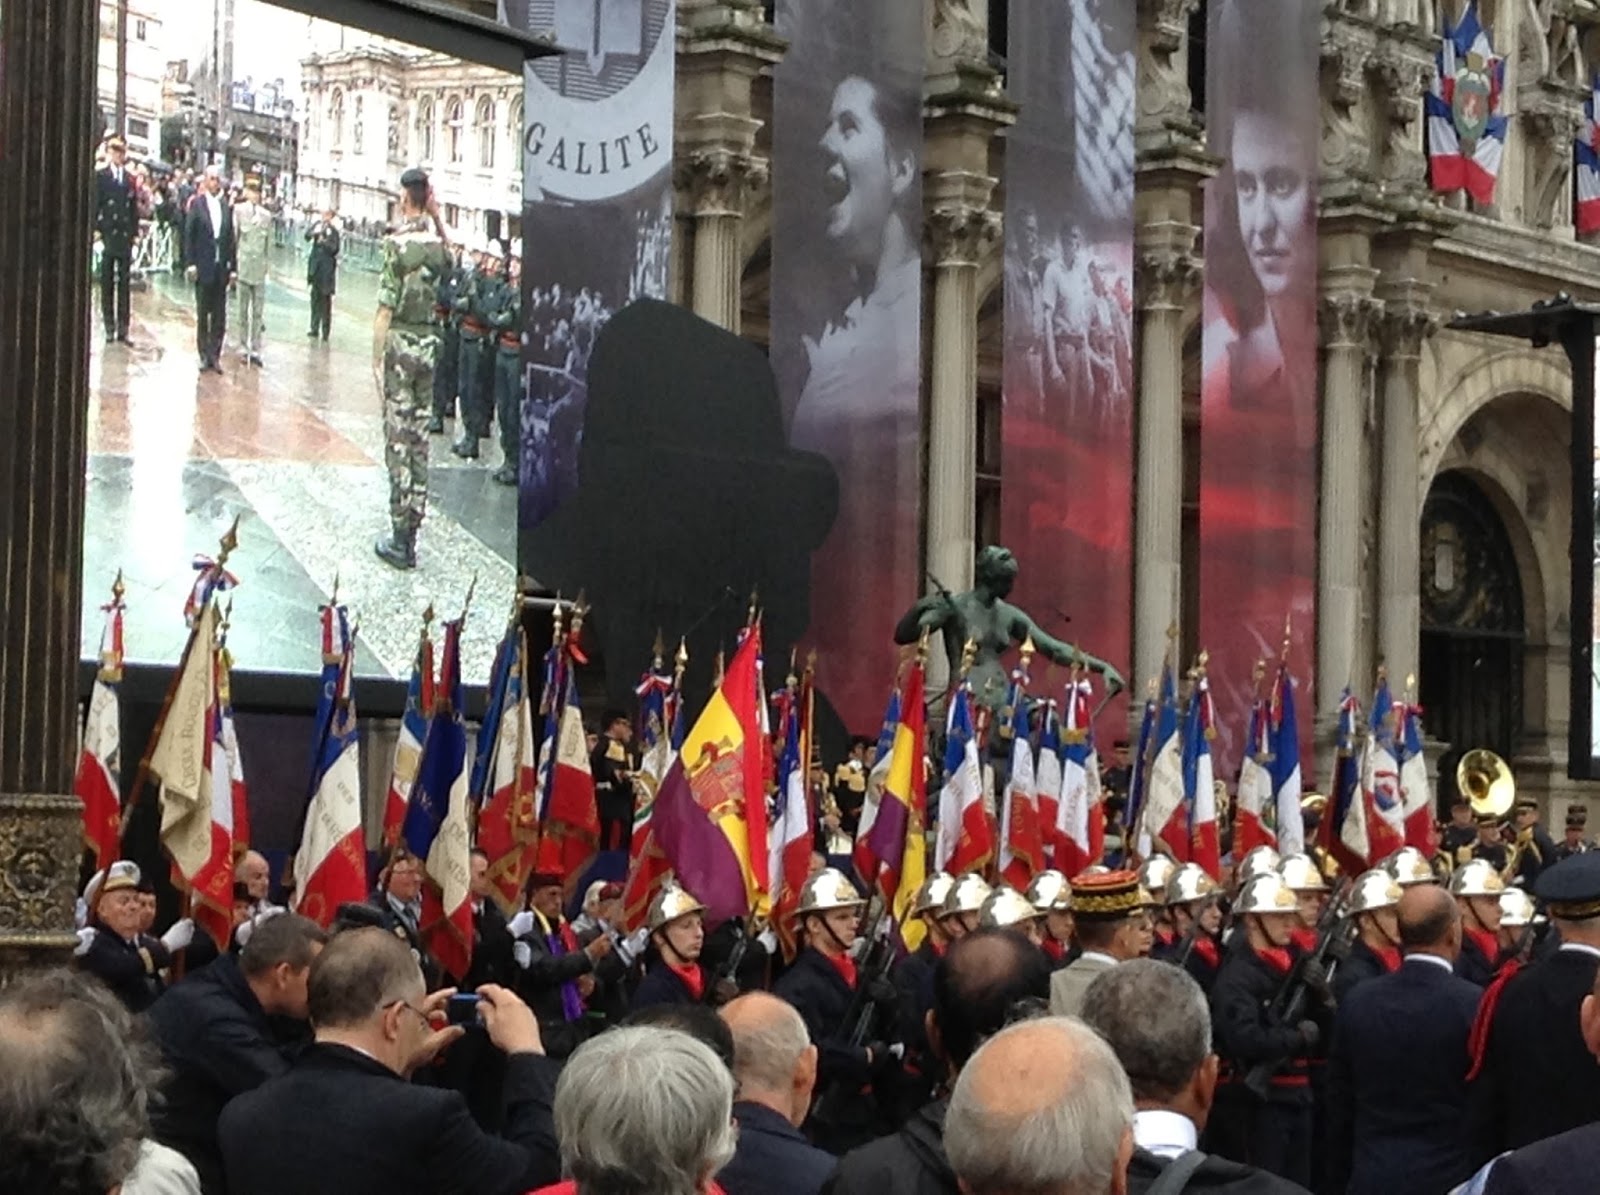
{"points": [[1477, 888], [613, 765], [1374, 899], [1194, 902], [1456, 843], [678, 933], [1575, 843], [826, 990], [850, 785], [912, 977], [1274, 1133], [111, 946], [483, 297], [507, 323], [959, 914], [447, 370], [1154, 875], [1051, 894], [1533, 1076]]}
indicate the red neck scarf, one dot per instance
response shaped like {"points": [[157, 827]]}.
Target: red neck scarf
{"points": [[1389, 956], [1165, 937], [938, 948], [1206, 947], [846, 966], [1486, 942], [1304, 939], [1054, 949], [693, 978], [1280, 960]]}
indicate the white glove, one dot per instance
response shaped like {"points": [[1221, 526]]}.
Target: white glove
{"points": [[245, 929], [898, 1050], [85, 940], [768, 940], [633, 945], [523, 954], [80, 913], [521, 925], [179, 936]]}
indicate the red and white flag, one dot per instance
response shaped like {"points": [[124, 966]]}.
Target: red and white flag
{"points": [[99, 779], [330, 868], [1255, 793], [413, 733]]}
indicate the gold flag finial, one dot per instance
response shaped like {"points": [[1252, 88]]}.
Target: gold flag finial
{"points": [[229, 542], [1259, 671], [579, 609], [427, 618], [755, 606], [1202, 660], [118, 589], [969, 656], [333, 598], [681, 659], [658, 650], [922, 645], [466, 604]]}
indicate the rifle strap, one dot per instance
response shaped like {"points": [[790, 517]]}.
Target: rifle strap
{"points": [[1174, 1178]]}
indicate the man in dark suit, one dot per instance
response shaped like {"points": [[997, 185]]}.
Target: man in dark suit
{"points": [[474, 1067], [1534, 1077], [398, 902], [775, 1067], [1397, 1087], [322, 271], [209, 249], [1156, 1020], [216, 1035], [116, 219], [346, 1121]]}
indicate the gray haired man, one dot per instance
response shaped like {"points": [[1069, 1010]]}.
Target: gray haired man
{"points": [[644, 1110], [775, 1065], [1041, 1108], [1157, 1022]]}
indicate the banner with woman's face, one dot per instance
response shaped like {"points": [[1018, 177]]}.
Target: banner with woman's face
{"points": [[847, 315], [1067, 432], [1259, 414]]}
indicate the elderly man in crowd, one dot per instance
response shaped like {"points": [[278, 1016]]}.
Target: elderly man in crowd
{"points": [[644, 1110], [111, 947], [775, 1066], [346, 1121], [216, 1034], [1042, 1107], [75, 1095], [1156, 1019]]}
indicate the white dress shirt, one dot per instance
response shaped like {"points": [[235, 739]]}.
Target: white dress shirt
{"points": [[1429, 958], [214, 209], [1163, 1133]]}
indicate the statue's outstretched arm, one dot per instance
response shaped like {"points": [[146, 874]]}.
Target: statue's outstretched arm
{"points": [[932, 612], [1058, 651]]}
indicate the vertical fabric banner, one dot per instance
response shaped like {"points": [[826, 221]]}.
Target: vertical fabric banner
{"points": [[1258, 432], [847, 315], [597, 210], [1067, 432]]}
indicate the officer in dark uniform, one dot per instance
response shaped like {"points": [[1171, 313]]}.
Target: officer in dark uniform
{"points": [[612, 765], [850, 785], [1460, 835], [677, 931], [1534, 849], [484, 296], [1491, 844], [111, 946], [446, 371], [1374, 900], [1477, 887], [1574, 843], [1533, 1076], [116, 219], [507, 323], [1274, 1133]]}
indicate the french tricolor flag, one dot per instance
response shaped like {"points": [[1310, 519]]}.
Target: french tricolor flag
{"points": [[1466, 129], [1166, 816], [1250, 828], [1198, 780], [1047, 781], [1587, 173]]}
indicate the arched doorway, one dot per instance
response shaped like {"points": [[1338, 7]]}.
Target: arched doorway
{"points": [[1473, 626]]}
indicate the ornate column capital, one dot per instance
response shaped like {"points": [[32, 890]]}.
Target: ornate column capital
{"points": [[717, 181], [1406, 324], [1345, 319], [1164, 279], [959, 234]]}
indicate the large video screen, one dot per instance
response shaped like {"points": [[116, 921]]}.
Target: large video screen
{"points": [[239, 259]]}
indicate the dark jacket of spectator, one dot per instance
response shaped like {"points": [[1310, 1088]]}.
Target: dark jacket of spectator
{"points": [[910, 1162], [1215, 1174], [773, 1158], [340, 1123]]}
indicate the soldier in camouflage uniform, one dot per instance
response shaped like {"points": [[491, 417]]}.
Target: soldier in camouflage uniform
{"points": [[405, 346], [477, 305], [445, 387], [507, 322]]}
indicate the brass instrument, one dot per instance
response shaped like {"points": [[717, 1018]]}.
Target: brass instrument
{"points": [[1491, 790]]}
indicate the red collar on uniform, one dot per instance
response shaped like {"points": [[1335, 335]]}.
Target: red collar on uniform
{"points": [[1054, 949], [1488, 945], [693, 978], [1206, 947], [846, 966], [1304, 939], [1389, 956], [1280, 960]]}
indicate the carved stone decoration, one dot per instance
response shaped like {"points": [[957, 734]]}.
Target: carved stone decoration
{"points": [[1399, 72], [717, 181], [41, 842], [959, 234], [1548, 123], [1347, 319], [1164, 279], [1404, 328], [1347, 50], [1164, 104], [960, 31]]}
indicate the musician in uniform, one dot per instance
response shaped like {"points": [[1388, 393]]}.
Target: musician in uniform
{"points": [[850, 785], [677, 931], [1533, 1075], [1460, 835], [1477, 888], [1374, 897], [1574, 843], [1051, 894], [1533, 850], [612, 764], [1193, 901], [1272, 1132], [1491, 844]]}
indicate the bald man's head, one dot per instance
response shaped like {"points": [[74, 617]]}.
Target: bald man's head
{"points": [[253, 872], [773, 1058], [1430, 922], [1042, 1106]]}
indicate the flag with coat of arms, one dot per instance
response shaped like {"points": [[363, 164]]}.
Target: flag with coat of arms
{"points": [[1586, 214], [99, 778], [1466, 127]]}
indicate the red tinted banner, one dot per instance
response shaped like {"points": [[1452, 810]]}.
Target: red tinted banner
{"points": [[1067, 435], [847, 316], [1258, 443]]}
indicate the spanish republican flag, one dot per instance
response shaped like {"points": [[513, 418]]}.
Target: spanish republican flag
{"points": [[901, 827], [99, 779], [703, 812]]}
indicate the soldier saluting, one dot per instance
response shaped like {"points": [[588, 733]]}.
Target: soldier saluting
{"points": [[405, 346]]}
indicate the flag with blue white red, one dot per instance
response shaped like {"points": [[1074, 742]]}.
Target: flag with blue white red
{"points": [[1586, 214], [1466, 127]]}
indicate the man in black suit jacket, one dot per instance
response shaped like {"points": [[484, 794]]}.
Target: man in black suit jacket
{"points": [[1397, 1084], [116, 219], [1535, 1077], [209, 248], [1156, 1019], [346, 1121], [216, 1036]]}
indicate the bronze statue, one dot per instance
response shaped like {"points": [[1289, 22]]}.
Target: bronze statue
{"points": [[984, 616]]}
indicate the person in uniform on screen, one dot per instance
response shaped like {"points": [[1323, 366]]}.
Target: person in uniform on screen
{"points": [[405, 345]]}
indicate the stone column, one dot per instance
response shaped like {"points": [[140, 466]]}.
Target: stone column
{"points": [[1407, 323], [723, 45], [47, 131], [1347, 314]]}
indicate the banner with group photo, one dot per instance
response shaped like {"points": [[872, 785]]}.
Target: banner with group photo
{"points": [[1258, 433], [1067, 432], [597, 210], [847, 316]]}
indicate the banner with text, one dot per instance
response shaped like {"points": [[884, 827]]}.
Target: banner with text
{"points": [[1067, 432], [1258, 441], [847, 316], [597, 210]]}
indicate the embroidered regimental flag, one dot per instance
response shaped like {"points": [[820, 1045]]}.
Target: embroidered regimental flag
{"points": [[1586, 209], [1466, 128]]}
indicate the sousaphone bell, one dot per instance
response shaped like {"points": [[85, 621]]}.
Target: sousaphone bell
{"points": [[1485, 780]]}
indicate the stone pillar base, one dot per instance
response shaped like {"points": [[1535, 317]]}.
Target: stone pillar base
{"points": [[41, 845]]}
